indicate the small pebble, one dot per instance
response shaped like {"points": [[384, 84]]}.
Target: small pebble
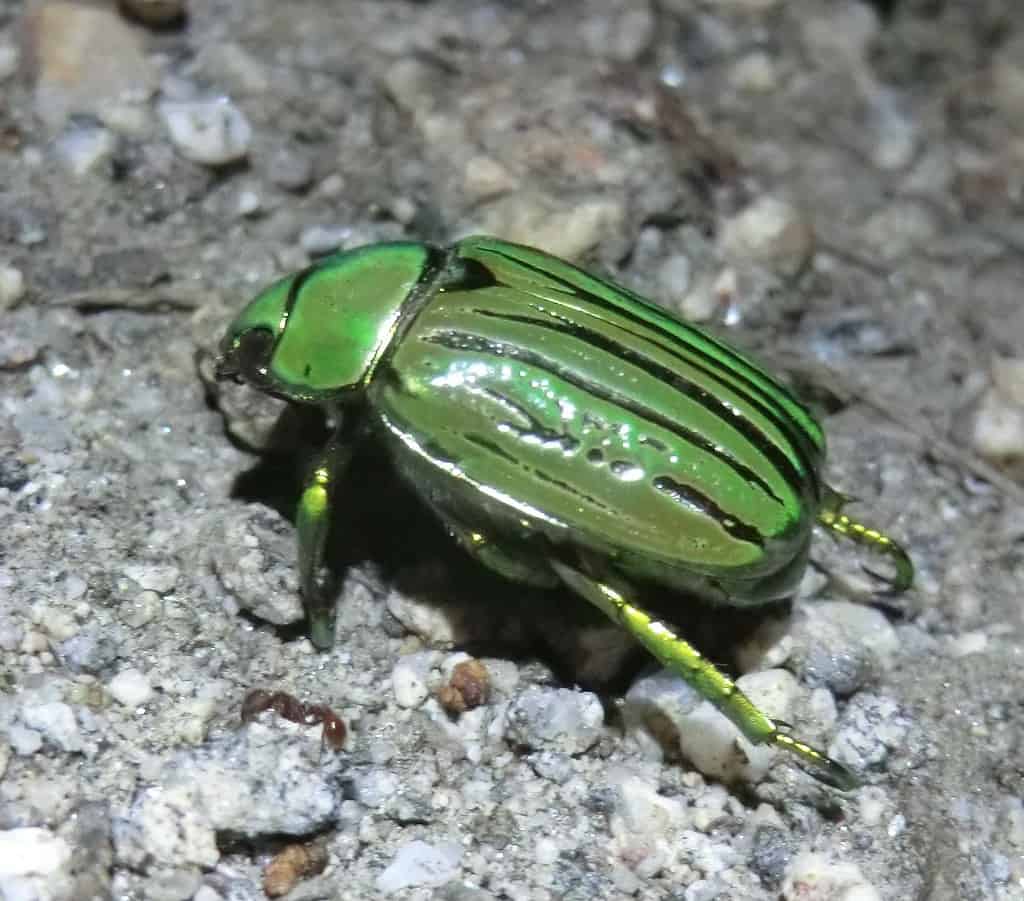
{"points": [[8, 60], [84, 148], [87, 60], [484, 176], [254, 559], [24, 741], [290, 865], [438, 624], [567, 232], [556, 719], [130, 688], [770, 231], [622, 31], [871, 727], [410, 678], [755, 73], [374, 788], [291, 168], [999, 422], [714, 745], [1008, 81], [249, 203], [468, 687], [896, 137], [968, 643], [54, 721], [771, 850], [898, 229], [641, 812], [318, 240], [211, 132], [674, 276], [653, 711], [420, 864], [32, 851], [172, 884], [153, 577], [12, 286], [814, 877]]}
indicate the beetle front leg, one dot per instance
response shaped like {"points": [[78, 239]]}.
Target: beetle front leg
{"points": [[312, 522], [682, 658]]}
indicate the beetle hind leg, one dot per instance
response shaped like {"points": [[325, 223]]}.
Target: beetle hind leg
{"points": [[678, 655], [832, 517]]}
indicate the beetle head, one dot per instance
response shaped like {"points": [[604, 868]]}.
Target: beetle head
{"points": [[316, 335]]}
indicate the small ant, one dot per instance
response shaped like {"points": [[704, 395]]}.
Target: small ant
{"points": [[291, 708]]}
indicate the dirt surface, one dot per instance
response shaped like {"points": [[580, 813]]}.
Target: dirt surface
{"points": [[836, 186]]}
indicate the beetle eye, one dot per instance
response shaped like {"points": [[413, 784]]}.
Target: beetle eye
{"points": [[247, 357], [253, 353]]}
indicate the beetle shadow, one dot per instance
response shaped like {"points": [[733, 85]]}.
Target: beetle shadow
{"points": [[379, 519]]}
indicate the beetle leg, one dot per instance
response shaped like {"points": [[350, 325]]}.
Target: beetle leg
{"points": [[682, 658], [312, 521], [832, 517], [523, 567]]}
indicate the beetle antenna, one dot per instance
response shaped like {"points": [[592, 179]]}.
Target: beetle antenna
{"points": [[832, 517]]}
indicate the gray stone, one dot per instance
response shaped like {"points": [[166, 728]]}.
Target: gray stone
{"points": [[555, 719], [420, 864], [56, 722]]}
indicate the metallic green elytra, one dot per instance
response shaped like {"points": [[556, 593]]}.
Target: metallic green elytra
{"points": [[564, 429]]}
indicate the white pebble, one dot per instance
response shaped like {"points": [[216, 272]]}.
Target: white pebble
{"points": [[8, 60], [320, 239], [24, 741], [56, 721], [160, 579], [418, 863], [32, 851], [130, 688], [84, 148], [211, 132], [968, 643], [12, 286], [409, 678], [714, 745], [814, 877], [651, 701], [999, 424], [769, 231], [249, 203]]}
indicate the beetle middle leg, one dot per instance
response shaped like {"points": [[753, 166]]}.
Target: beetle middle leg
{"points": [[312, 522], [682, 658]]}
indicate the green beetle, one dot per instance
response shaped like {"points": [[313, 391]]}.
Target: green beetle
{"points": [[564, 429]]}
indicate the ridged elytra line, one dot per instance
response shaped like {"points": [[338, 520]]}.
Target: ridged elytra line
{"points": [[701, 343], [491, 447], [790, 431], [444, 463], [721, 370], [690, 496], [688, 388], [456, 340], [685, 387], [568, 489]]}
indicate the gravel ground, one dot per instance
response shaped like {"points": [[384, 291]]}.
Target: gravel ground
{"points": [[837, 186]]}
